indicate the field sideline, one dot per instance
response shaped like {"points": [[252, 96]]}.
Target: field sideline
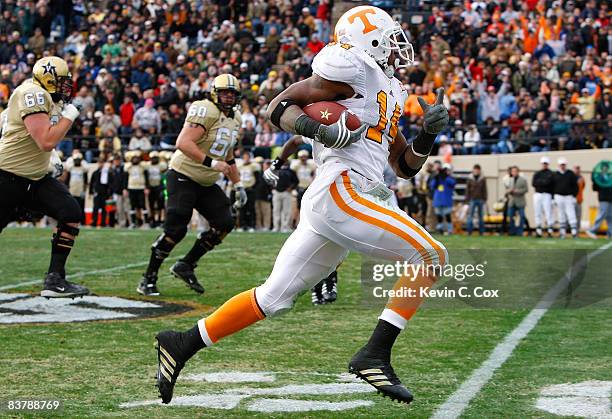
{"points": [[95, 367]]}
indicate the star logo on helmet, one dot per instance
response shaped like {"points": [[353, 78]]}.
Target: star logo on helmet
{"points": [[325, 114], [49, 68]]}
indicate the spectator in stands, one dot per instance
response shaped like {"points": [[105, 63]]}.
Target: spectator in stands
{"points": [[471, 141], [516, 189], [109, 121], [272, 86], [139, 141], [443, 185], [476, 197], [566, 189], [147, 118], [544, 184], [602, 184], [126, 112]]}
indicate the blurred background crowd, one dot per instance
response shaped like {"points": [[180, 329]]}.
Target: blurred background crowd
{"points": [[520, 76]]}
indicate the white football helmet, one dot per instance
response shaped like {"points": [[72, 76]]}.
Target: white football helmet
{"points": [[374, 31]]}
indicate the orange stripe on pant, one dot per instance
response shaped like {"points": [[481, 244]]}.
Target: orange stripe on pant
{"points": [[346, 181], [235, 314], [344, 206], [407, 305]]}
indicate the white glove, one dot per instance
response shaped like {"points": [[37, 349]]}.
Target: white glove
{"points": [[241, 196], [271, 173], [56, 167], [70, 112]]}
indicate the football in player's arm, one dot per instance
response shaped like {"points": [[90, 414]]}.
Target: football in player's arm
{"points": [[285, 111], [205, 149], [37, 118]]}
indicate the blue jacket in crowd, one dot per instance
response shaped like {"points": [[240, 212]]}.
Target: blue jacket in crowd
{"points": [[442, 186]]}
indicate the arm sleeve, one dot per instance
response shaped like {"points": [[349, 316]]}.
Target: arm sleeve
{"points": [[342, 63]]}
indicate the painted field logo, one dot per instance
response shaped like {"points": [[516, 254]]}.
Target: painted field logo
{"points": [[269, 399], [588, 399], [25, 308]]}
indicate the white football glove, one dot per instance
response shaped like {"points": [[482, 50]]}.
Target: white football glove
{"points": [[271, 173], [70, 112], [56, 167], [241, 196]]}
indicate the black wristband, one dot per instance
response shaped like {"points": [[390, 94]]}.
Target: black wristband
{"points": [[423, 143], [280, 109], [403, 165], [232, 161], [306, 126], [207, 161]]}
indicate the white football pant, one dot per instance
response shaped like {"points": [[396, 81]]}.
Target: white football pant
{"points": [[567, 212], [338, 216]]}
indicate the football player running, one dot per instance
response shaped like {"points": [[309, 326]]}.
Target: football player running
{"points": [[37, 118], [347, 207], [205, 148]]}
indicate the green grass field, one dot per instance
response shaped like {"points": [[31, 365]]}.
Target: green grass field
{"points": [[94, 367]]}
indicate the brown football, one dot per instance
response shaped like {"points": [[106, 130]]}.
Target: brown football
{"points": [[328, 112]]}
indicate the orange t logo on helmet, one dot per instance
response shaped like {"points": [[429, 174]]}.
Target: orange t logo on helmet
{"points": [[363, 16]]}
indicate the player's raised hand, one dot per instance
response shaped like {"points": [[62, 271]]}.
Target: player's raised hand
{"points": [[69, 111], [338, 135], [435, 117]]}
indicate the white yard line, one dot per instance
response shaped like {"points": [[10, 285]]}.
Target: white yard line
{"points": [[94, 272], [454, 406]]}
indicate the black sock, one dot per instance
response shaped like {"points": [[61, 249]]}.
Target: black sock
{"points": [[193, 341], [154, 264], [60, 249], [197, 251], [382, 339]]}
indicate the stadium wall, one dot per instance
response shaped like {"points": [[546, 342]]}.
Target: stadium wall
{"points": [[495, 166]]}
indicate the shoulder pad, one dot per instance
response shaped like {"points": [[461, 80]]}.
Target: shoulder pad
{"points": [[343, 63], [203, 112], [31, 98]]}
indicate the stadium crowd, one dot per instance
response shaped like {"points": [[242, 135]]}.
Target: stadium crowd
{"points": [[520, 76]]}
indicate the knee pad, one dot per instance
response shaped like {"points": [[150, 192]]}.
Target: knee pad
{"points": [[273, 305], [209, 239], [61, 243], [163, 245], [225, 225]]}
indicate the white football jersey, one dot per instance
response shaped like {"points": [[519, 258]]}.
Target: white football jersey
{"points": [[378, 102]]}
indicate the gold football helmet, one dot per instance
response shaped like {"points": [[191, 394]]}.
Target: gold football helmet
{"points": [[53, 75], [225, 82]]}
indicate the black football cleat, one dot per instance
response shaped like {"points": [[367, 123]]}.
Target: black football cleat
{"points": [[184, 271], [317, 294], [56, 286], [330, 288], [379, 374], [170, 362], [148, 286]]}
